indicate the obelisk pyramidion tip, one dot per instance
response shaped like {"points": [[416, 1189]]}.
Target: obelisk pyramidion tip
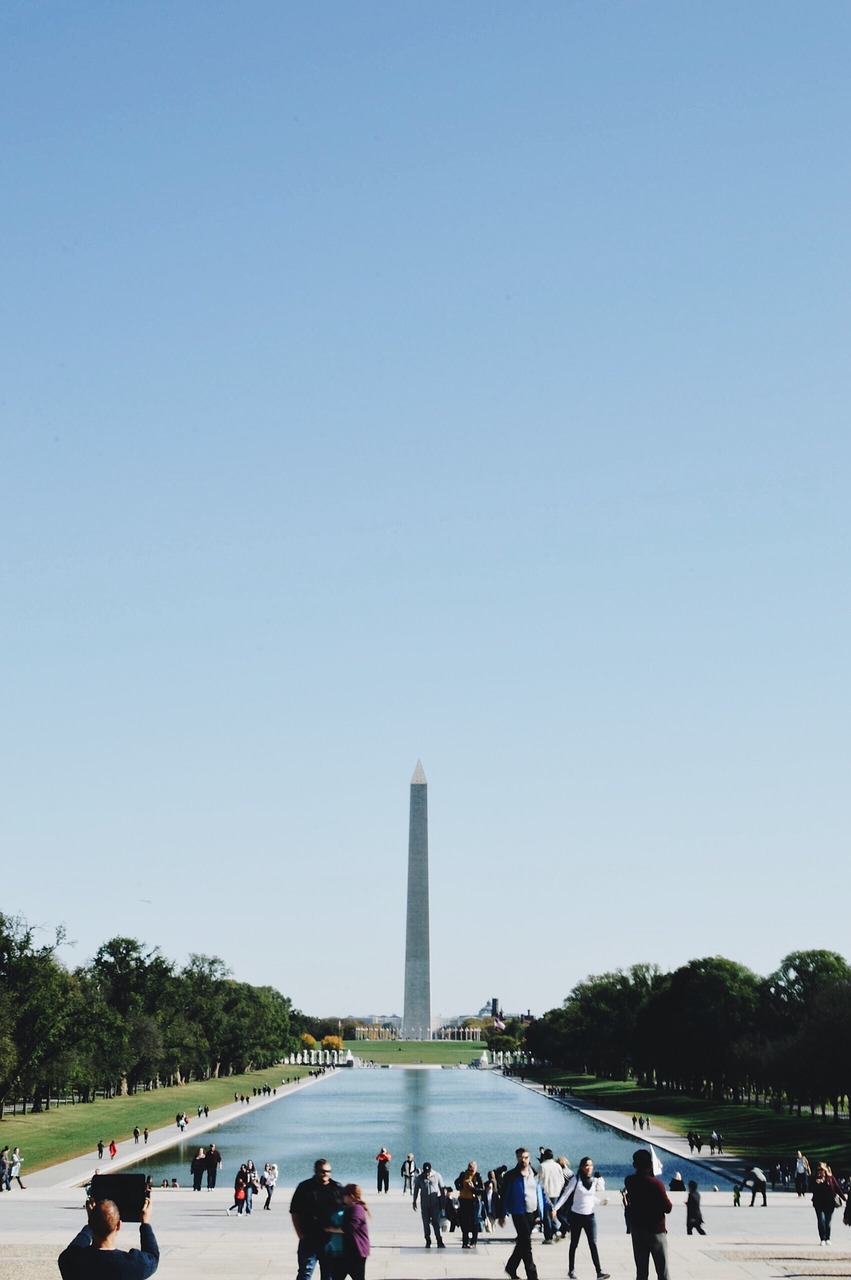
{"points": [[419, 778]]}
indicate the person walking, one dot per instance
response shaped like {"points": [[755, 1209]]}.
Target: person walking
{"points": [[240, 1183], [214, 1159], [562, 1222], [409, 1171], [470, 1188], [582, 1193], [694, 1215], [802, 1174], [428, 1189], [198, 1167], [647, 1203], [552, 1179], [383, 1170], [523, 1199], [113, 1150], [827, 1196], [252, 1186], [271, 1176], [15, 1162], [314, 1203]]}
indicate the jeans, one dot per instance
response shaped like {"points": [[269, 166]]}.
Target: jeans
{"points": [[523, 1224], [430, 1210], [547, 1224], [647, 1245], [309, 1253], [586, 1222], [823, 1217]]}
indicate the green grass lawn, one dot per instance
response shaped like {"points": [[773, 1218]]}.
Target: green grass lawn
{"points": [[749, 1131], [66, 1131], [396, 1053]]}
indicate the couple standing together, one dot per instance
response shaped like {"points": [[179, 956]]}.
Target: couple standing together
{"points": [[645, 1199], [523, 1201], [331, 1224]]}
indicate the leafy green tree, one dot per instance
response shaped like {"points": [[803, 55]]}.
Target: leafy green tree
{"points": [[509, 1039], [797, 981], [595, 1030], [204, 993], [39, 1006], [692, 1020]]}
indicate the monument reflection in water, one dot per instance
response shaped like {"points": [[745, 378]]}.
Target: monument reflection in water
{"points": [[447, 1117]]}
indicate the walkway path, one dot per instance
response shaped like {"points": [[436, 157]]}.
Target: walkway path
{"points": [[199, 1242], [729, 1167]]}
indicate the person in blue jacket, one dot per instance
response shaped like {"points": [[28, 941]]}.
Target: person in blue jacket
{"points": [[523, 1199], [94, 1252]]}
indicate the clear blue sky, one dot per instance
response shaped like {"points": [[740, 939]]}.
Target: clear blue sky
{"points": [[465, 382]]}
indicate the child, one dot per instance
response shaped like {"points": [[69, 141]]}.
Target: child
{"points": [[737, 1194], [694, 1218]]}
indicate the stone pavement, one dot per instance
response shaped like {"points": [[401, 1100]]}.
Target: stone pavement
{"points": [[199, 1242]]}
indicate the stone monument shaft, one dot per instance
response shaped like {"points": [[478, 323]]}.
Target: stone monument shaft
{"points": [[416, 1021]]}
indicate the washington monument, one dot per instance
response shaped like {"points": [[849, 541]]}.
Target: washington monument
{"points": [[416, 1021]]}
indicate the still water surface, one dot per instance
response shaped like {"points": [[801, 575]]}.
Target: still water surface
{"points": [[447, 1117]]}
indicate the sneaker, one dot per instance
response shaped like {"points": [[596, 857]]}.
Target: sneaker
{"points": [[571, 1275], [603, 1275]]}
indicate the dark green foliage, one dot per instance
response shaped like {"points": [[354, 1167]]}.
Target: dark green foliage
{"points": [[129, 1019], [713, 1029]]}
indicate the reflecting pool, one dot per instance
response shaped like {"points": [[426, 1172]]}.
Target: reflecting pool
{"points": [[447, 1117]]}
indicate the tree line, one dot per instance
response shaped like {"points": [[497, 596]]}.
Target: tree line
{"points": [[128, 1019], [713, 1029]]}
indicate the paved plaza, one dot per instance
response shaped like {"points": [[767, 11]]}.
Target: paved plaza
{"points": [[198, 1241]]}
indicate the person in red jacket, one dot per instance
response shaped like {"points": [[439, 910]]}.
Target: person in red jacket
{"points": [[383, 1169]]}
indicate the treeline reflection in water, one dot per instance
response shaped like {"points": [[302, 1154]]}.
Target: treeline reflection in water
{"points": [[447, 1117]]}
